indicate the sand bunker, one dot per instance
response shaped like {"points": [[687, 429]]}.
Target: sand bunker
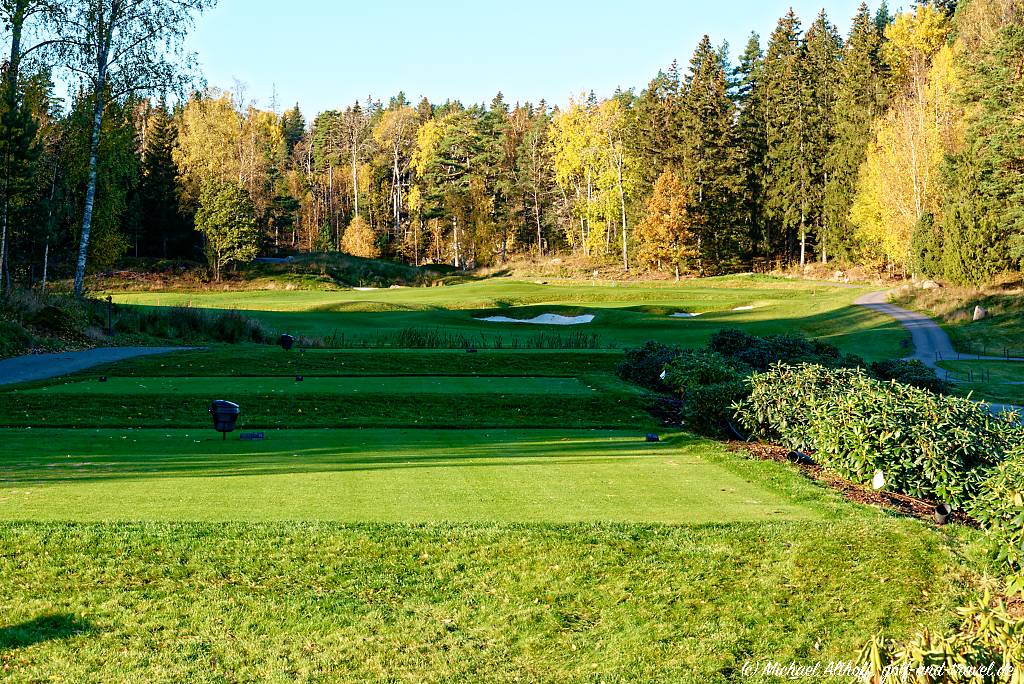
{"points": [[743, 308], [543, 319], [684, 314]]}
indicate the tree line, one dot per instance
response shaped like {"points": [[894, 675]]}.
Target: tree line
{"points": [[897, 146]]}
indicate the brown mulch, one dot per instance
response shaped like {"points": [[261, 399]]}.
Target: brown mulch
{"points": [[901, 503], [1015, 606]]}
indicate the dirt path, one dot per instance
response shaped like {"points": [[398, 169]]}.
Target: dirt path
{"points": [[42, 366]]}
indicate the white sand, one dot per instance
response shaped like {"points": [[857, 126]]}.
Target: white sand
{"points": [[743, 308], [683, 314], [365, 289], [543, 319]]}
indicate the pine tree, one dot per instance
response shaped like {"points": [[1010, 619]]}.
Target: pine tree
{"points": [[821, 74], [163, 230], [860, 98], [293, 125], [787, 171], [752, 143], [711, 160]]}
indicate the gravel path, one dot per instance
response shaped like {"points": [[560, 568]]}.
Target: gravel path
{"points": [[42, 366]]}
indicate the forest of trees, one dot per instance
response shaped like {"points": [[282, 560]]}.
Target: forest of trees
{"points": [[899, 146]]}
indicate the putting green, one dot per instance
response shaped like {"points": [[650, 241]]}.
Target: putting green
{"points": [[384, 384], [386, 475]]}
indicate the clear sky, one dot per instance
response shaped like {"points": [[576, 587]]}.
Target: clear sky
{"points": [[325, 54]]}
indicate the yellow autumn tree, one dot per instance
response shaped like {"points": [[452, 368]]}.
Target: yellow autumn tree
{"points": [[663, 236], [360, 240], [218, 143], [899, 179]]}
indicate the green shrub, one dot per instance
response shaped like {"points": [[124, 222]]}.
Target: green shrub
{"points": [[909, 372], [926, 445], [730, 341], [644, 365], [761, 352], [14, 339], [988, 637], [999, 507], [709, 384]]}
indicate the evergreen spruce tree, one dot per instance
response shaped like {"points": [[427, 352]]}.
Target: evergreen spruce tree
{"points": [[983, 227], [751, 138], [657, 128], [821, 73], [18, 154], [293, 124], [784, 91], [711, 161], [163, 229]]}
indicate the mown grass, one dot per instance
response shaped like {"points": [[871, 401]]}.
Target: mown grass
{"points": [[362, 384], [995, 381], [340, 389], [261, 361], [625, 314], [447, 602], [542, 539], [387, 475]]}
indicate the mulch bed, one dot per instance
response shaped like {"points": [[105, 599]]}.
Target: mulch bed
{"points": [[901, 503]]}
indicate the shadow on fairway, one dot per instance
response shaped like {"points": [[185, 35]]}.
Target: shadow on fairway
{"points": [[210, 457], [42, 628]]}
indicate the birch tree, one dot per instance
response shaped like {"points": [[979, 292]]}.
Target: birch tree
{"points": [[115, 48]]}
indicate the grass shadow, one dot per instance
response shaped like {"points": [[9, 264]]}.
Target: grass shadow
{"points": [[43, 628]]}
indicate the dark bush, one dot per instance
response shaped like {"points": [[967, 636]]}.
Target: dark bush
{"points": [[644, 365], [731, 341], [761, 352], [909, 372], [14, 339], [927, 445], [708, 384]]}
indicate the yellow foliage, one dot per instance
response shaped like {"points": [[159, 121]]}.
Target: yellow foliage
{"points": [[360, 240], [911, 41], [663, 237], [218, 143], [899, 179]]}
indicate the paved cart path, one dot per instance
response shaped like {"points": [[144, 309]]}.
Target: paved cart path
{"points": [[42, 366], [931, 343]]}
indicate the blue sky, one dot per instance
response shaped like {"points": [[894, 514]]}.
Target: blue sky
{"points": [[326, 53]]}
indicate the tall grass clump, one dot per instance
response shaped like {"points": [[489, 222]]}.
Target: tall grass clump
{"points": [[188, 324]]}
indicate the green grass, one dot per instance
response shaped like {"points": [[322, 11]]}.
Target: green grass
{"points": [[446, 602], [626, 314], [539, 538], [385, 475], [375, 384], [996, 381], [262, 361]]}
